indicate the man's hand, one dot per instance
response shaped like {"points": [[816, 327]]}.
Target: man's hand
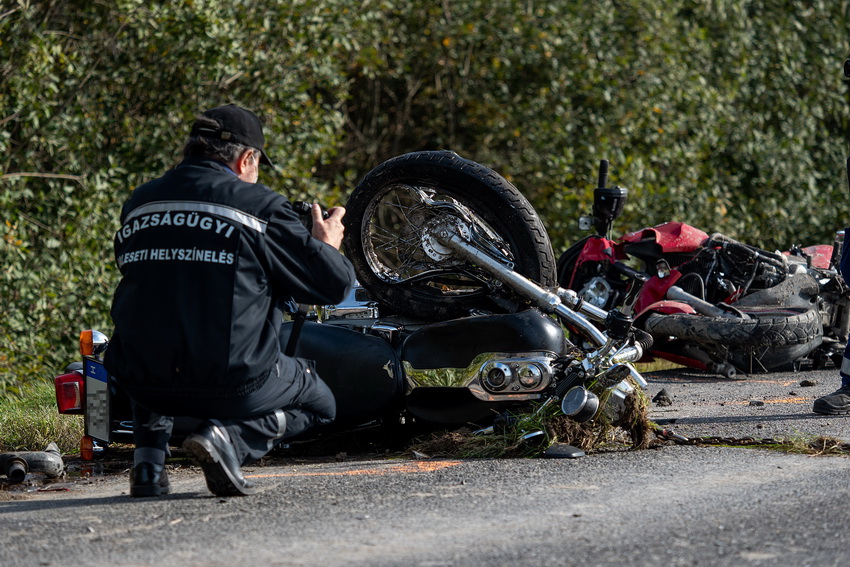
{"points": [[329, 230]]}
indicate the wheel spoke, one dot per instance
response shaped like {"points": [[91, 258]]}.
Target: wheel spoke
{"points": [[395, 240]]}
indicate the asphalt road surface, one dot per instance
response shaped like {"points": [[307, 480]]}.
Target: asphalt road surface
{"points": [[672, 505]]}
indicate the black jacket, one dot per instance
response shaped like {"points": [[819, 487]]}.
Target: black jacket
{"points": [[206, 261]]}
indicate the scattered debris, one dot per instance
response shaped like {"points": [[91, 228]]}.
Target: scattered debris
{"points": [[756, 403], [828, 446], [662, 398], [808, 383], [17, 465]]}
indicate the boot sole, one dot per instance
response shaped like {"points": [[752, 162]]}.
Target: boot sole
{"points": [[147, 491], [219, 479], [831, 411]]}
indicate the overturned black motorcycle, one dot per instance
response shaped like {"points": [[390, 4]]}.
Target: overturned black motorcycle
{"points": [[456, 321]]}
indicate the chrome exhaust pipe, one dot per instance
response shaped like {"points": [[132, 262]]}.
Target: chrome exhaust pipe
{"points": [[17, 465]]}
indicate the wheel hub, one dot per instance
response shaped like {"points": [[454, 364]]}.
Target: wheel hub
{"points": [[436, 231]]}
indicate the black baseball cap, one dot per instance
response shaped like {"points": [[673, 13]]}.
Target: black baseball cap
{"points": [[235, 124]]}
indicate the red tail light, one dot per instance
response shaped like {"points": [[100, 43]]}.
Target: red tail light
{"points": [[70, 392]]}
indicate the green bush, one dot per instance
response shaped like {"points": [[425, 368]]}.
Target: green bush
{"points": [[730, 115]]}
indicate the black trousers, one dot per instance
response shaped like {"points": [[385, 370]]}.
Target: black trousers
{"points": [[252, 421]]}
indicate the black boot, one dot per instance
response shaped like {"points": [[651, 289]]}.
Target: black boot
{"points": [[148, 479], [211, 447]]}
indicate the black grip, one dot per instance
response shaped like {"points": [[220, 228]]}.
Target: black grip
{"points": [[637, 280], [603, 174]]}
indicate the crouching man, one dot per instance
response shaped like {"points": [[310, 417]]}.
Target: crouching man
{"points": [[207, 255]]}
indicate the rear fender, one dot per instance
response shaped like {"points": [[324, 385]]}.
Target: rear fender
{"points": [[667, 307]]}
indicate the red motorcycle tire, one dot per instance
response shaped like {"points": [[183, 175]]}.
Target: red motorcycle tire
{"points": [[770, 327], [390, 210]]}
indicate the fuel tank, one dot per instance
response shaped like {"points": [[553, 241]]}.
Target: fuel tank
{"points": [[455, 343]]}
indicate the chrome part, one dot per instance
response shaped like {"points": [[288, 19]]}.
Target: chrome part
{"points": [[530, 376], [535, 438], [386, 331], [613, 375], [496, 376], [596, 292], [545, 300], [628, 353], [705, 308], [615, 407], [492, 376], [574, 302], [354, 306], [580, 404], [513, 375], [638, 379], [99, 343], [552, 303], [439, 226]]}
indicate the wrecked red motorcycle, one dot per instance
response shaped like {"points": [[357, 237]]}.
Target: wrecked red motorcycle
{"points": [[711, 302]]}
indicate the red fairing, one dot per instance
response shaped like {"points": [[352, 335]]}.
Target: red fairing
{"points": [[820, 254], [655, 290], [601, 250], [598, 250], [671, 236]]}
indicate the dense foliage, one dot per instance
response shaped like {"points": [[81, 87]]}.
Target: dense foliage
{"points": [[728, 114]]}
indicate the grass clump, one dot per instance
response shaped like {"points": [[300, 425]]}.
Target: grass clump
{"points": [[30, 422], [630, 428], [820, 445]]}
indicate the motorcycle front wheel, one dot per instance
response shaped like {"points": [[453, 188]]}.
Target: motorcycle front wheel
{"points": [[393, 208], [765, 327]]}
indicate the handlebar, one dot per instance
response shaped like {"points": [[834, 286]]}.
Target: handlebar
{"points": [[772, 258]]}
